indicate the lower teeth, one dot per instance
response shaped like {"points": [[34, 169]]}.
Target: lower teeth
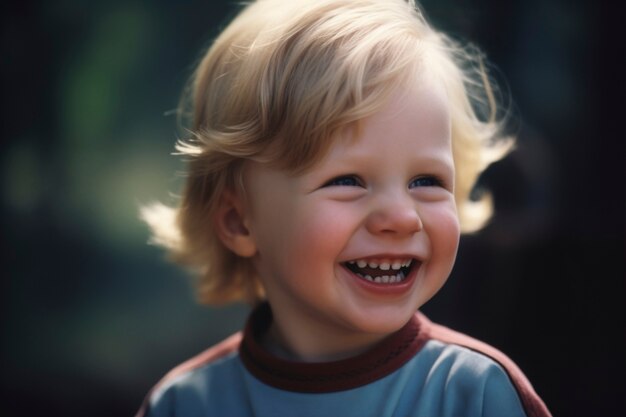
{"points": [[385, 279]]}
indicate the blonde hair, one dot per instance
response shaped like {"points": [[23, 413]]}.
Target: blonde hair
{"points": [[277, 86]]}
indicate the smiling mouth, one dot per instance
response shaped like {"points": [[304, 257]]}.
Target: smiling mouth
{"points": [[385, 271]]}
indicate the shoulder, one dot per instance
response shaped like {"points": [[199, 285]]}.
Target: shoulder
{"points": [[477, 364], [188, 378]]}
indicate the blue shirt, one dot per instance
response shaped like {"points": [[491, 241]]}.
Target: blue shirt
{"points": [[423, 371]]}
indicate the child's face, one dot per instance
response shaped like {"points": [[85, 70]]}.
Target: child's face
{"points": [[384, 199]]}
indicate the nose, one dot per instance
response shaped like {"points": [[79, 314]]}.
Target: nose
{"points": [[394, 216]]}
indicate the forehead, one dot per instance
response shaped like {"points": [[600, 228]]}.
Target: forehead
{"points": [[418, 109]]}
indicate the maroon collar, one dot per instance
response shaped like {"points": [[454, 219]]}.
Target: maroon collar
{"points": [[380, 361]]}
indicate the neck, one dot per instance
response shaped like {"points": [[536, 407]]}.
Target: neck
{"points": [[313, 342]]}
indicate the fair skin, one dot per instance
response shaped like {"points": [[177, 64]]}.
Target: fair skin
{"points": [[349, 250]]}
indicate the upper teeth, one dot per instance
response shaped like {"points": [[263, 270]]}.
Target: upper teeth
{"points": [[384, 264]]}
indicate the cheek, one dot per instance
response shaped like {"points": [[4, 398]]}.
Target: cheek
{"points": [[301, 237], [323, 229], [444, 231]]}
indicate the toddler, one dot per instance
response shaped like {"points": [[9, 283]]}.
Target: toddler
{"points": [[334, 147]]}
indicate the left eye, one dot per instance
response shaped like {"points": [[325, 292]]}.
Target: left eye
{"points": [[427, 181]]}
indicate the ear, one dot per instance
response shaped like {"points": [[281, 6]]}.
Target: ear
{"points": [[231, 224]]}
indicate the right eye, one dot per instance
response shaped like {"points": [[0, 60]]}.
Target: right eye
{"points": [[344, 181]]}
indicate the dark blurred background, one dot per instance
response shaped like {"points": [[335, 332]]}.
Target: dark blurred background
{"points": [[92, 316]]}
